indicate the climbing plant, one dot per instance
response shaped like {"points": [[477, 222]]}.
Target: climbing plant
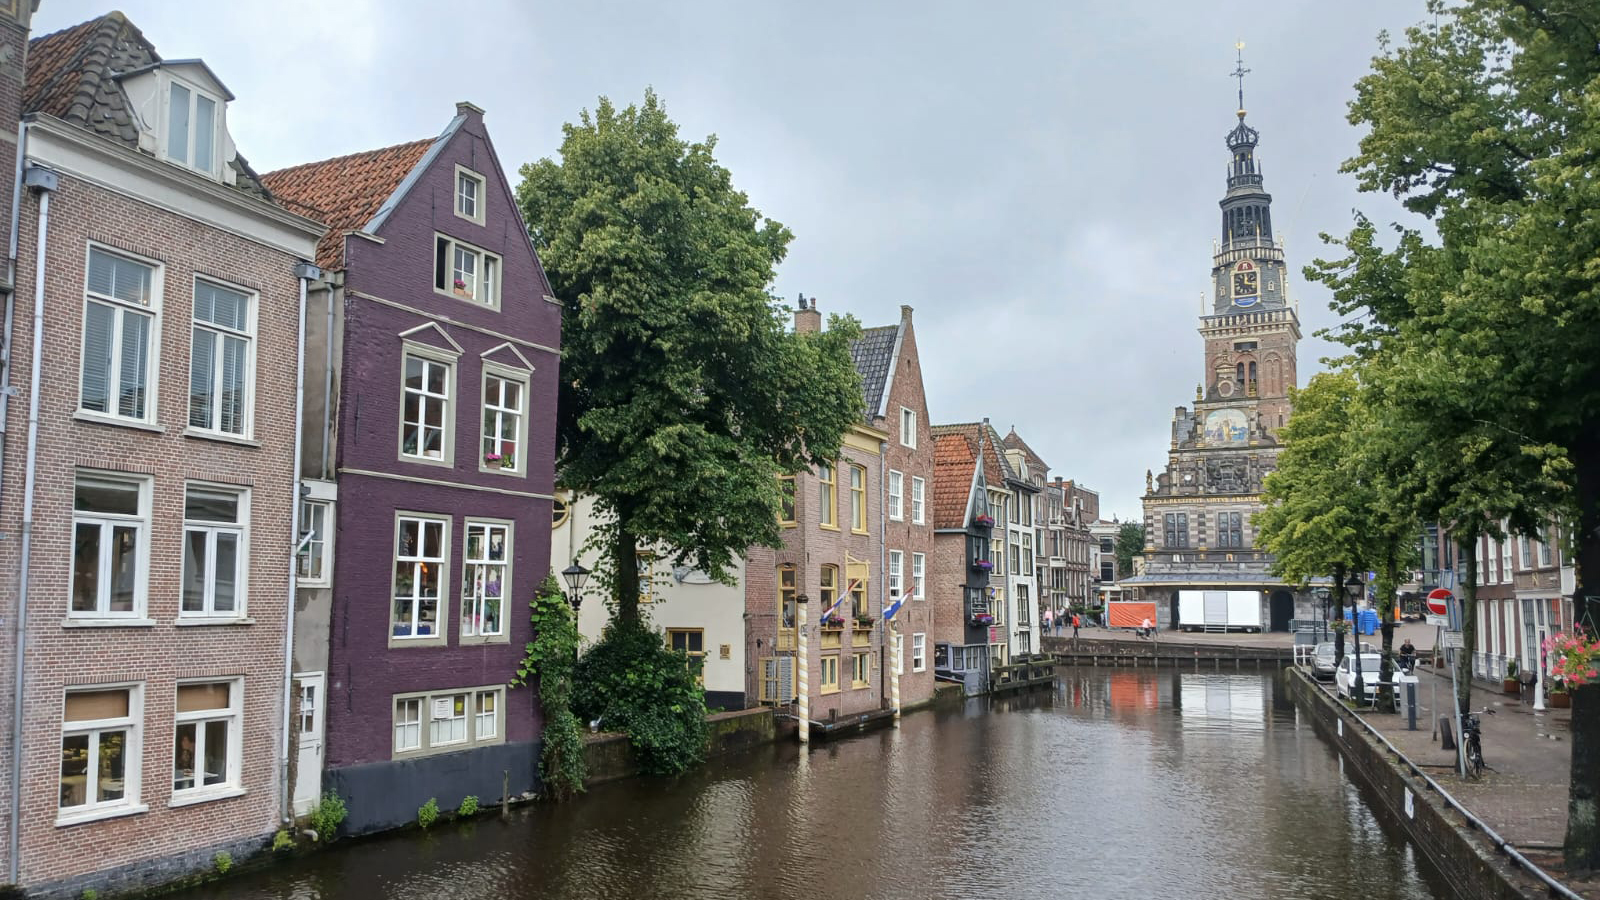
{"points": [[549, 660], [631, 681]]}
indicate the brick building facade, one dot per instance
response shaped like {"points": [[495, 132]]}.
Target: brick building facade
{"points": [[155, 500], [446, 342]]}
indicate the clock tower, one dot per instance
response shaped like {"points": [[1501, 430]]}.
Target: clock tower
{"points": [[1199, 536]]}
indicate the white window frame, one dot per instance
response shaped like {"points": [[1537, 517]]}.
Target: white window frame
{"points": [[897, 564], [473, 597], [320, 547], [218, 130], [919, 652], [521, 378], [108, 522], [483, 289], [240, 529], [218, 334], [122, 309], [446, 703], [491, 717], [132, 760], [919, 576], [897, 502], [918, 500], [442, 601], [430, 356], [233, 715], [480, 183], [423, 703], [908, 427]]}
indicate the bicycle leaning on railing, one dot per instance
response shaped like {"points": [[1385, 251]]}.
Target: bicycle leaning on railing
{"points": [[1472, 741]]}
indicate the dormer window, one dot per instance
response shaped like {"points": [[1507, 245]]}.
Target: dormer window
{"points": [[192, 121], [469, 195]]}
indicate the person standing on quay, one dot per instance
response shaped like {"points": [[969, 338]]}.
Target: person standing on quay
{"points": [[1076, 623]]}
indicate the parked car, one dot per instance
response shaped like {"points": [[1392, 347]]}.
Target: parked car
{"points": [[1344, 678], [1323, 661]]}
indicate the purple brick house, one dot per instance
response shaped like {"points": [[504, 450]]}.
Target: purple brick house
{"points": [[432, 354]]}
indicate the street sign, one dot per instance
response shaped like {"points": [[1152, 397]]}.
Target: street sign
{"points": [[1438, 607], [1451, 640]]}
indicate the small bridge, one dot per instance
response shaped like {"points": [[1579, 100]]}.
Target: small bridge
{"points": [[1135, 651]]}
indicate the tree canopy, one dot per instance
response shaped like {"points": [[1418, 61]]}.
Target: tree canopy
{"points": [[683, 392]]}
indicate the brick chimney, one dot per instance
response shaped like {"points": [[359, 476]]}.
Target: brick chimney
{"points": [[806, 318]]}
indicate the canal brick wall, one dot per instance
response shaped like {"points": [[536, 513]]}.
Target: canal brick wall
{"points": [[609, 756], [1471, 867]]}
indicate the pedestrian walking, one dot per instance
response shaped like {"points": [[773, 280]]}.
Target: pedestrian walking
{"points": [[1076, 622], [1047, 620]]}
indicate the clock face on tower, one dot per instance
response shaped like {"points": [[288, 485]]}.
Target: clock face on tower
{"points": [[1246, 290]]}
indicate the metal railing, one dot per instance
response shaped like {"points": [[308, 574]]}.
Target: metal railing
{"points": [[1501, 845]]}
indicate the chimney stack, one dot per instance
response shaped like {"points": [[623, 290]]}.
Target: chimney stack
{"points": [[806, 319]]}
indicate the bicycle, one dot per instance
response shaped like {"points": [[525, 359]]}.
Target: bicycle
{"points": [[1472, 742]]}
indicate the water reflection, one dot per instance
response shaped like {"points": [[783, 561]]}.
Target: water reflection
{"points": [[1118, 784]]}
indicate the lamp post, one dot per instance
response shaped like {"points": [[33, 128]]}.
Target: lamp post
{"points": [[576, 576], [1359, 689], [802, 677]]}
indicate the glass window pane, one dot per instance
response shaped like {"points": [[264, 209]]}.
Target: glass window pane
{"points": [[88, 706], [205, 129], [183, 755], [124, 566], [113, 758], [194, 571], [414, 373], [224, 593], [233, 385], [114, 276], [432, 539], [202, 350], [201, 697], [134, 355], [74, 769], [178, 124], [99, 323], [211, 506], [436, 378], [86, 567], [216, 755]]}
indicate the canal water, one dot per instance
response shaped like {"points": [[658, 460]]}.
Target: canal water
{"points": [[1139, 784]]}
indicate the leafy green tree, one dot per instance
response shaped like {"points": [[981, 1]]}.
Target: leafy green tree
{"points": [[1486, 122], [683, 393], [1130, 543]]}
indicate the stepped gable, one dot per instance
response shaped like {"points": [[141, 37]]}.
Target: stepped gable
{"points": [[345, 192]]}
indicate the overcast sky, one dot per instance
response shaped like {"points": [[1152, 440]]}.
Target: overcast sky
{"points": [[1039, 180]]}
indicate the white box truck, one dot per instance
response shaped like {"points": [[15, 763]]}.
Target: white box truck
{"points": [[1219, 611]]}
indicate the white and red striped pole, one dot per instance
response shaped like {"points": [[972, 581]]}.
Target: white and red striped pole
{"points": [[894, 679], [802, 676]]}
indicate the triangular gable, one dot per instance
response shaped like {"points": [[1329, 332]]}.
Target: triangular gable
{"points": [[504, 352], [432, 333]]}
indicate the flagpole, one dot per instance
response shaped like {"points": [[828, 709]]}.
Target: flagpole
{"points": [[803, 675], [894, 679]]}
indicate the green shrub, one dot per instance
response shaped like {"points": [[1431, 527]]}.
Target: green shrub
{"points": [[469, 806], [91, 894], [428, 813], [549, 660], [633, 682], [327, 816], [283, 840], [222, 862]]}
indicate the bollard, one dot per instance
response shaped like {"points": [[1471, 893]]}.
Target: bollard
{"points": [[1411, 706]]}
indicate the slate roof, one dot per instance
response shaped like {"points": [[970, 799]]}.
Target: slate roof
{"points": [[344, 192], [873, 353], [1015, 442], [73, 76]]}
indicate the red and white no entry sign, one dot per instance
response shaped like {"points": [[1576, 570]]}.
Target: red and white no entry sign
{"points": [[1439, 603]]}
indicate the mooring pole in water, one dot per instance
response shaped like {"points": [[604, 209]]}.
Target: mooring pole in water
{"points": [[801, 677], [894, 680]]}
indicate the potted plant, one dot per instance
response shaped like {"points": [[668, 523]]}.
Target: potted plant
{"points": [[461, 289], [982, 620], [1559, 698], [864, 620], [833, 621], [983, 520], [1574, 659], [982, 565], [493, 459], [1510, 684]]}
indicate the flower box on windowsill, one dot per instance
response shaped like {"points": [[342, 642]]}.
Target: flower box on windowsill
{"points": [[982, 620], [864, 621], [493, 461], [982, 565], [833, 623], [983, 521]]}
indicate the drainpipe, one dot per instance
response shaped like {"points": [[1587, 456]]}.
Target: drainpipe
{"points": [[883, 555], [305, 273], [45, 181], [325, 467], [6, 390]]}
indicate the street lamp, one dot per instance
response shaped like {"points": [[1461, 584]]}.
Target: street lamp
{"points": [[1360, 688], [576, 576]]}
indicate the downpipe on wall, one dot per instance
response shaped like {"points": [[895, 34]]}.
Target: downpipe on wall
{"points": [[306, 273]]}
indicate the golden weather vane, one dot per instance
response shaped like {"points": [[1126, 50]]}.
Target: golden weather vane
{"points": [[1239, 72]]}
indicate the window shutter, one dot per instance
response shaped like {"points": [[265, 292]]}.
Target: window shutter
{"points": [[786, 678]]}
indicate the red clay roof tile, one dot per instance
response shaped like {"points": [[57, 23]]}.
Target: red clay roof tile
{"points": [[344, 192]]}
